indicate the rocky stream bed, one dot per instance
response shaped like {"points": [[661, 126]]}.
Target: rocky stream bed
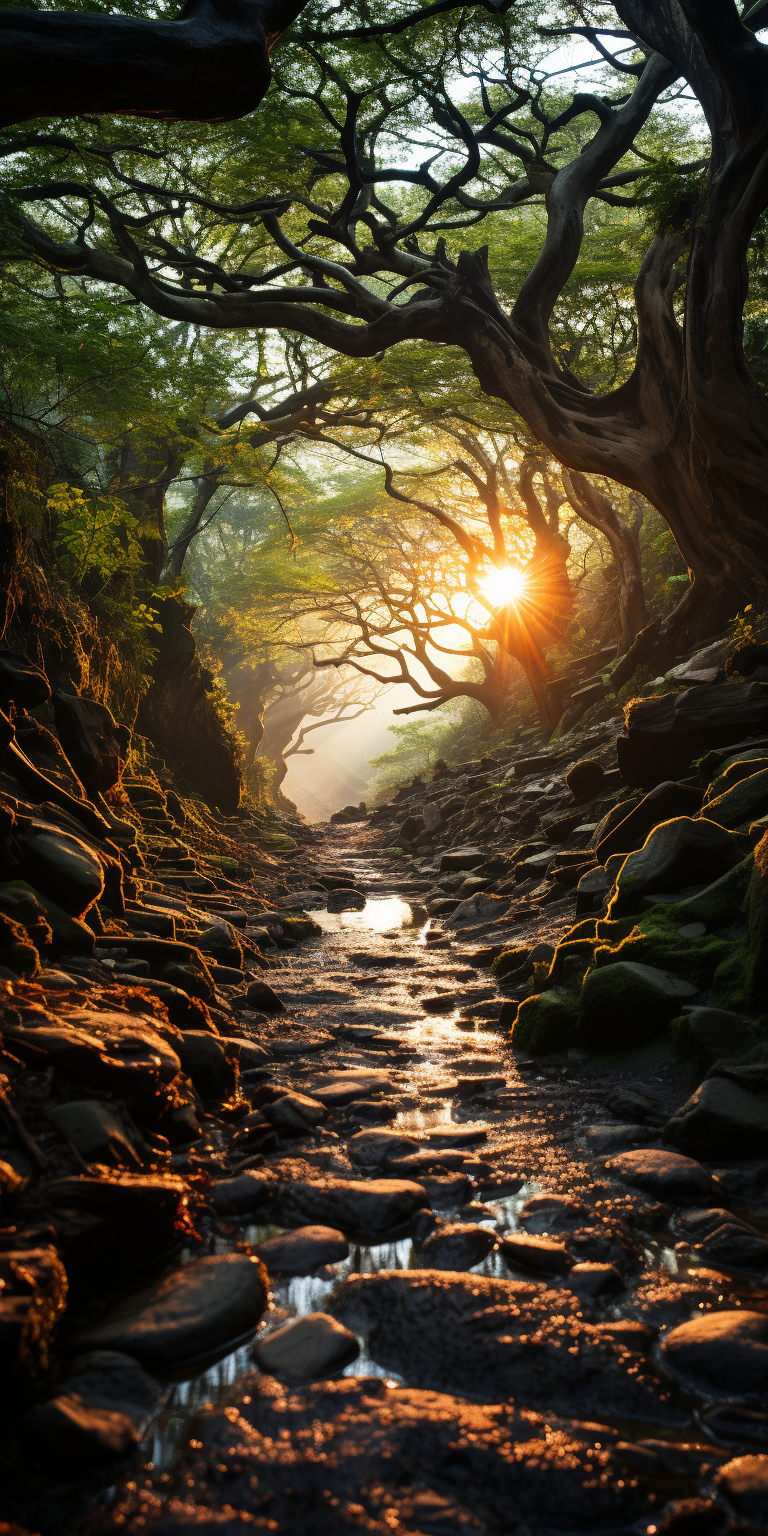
{"points": [[409, 1173]]}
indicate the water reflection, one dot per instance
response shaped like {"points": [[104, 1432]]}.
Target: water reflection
{"points": [[381, 914]]}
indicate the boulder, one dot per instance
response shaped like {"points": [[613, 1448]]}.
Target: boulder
{"points": [[553, 1213], [221, 942], [721, 1119], [139, 1215], [480, 908], [126, 1059], [585, 778], [63, 868], [432, 817], [377, 1148], [591, 891], [303, 1250], [100, 1133], [345, 1087], [624, 1004], [193, 1313], [468, 857], [294, 1114], [744, 1483], [719, 1032], [45, 921], [207, 1061], [663, 735], [457, 1246], [545, 1022], [370, 1207], [665, 1175], [595, 1282], [346, 901], [33, 1294], [242, 1195], [675, 854], [722, 1353], [93, 741], [314, 1346], [663, 803], [740, 803], [75, 1438], [260, 995], [540, 1255]]}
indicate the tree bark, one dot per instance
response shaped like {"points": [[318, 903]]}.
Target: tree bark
{"points": [[210, 65], [623, 538]]}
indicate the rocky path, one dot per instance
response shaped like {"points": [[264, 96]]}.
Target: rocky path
{"points": [[296, 1236], [484, 1315]]}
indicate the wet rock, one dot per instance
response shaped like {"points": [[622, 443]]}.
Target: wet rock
{"points": [[72, 1437], [241, 1196], [733, 1245], [100, 1133], [377, 1148], [315, 1345], [206, 1060], [552, 1213], [541, 1255], [57, 981], [724, 1353], [718, 1031], [191, 1313], [480, 908], [68, 935], [593, 1282], [63, 868], [341, 1088], [610, 1243], [372, 1109], [456, 1135], [468, 857], [721, 1119], [497, 1339], [294, 1114], [430, 1462], [139, 1216], [221, 942], [260, 995], [624, 1004], [627, 1105], [416, 1164], [457, 1246], [667, 1175], [609, 1137], [374, 1206], [675, 855], [346, 901], [744, 1483], [303, 1251]]}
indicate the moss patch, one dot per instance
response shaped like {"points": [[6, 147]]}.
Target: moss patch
{"points": [[627, 1003], [654, 940], [546, 1022]]}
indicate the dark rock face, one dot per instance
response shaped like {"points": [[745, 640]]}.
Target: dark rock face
{"points": [[192, 1313], [21, 683], [664, 734], [721, 1119], [93, 741]]}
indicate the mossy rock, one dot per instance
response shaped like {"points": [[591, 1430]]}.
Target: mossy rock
{"points": [[720, 903], [571, 961], [624, 1004], [678, 853], [729, 984], [546, 1022], [654, 940], [742, 802], [510, 960], [299, 926]]}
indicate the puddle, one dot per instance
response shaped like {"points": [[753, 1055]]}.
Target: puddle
{"points": [[381, 914]]}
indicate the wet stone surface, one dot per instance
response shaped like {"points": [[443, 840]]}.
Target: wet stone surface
{"points": [[513, 1333]]}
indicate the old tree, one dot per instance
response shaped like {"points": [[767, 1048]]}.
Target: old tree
{"points": [[354, 226]]}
